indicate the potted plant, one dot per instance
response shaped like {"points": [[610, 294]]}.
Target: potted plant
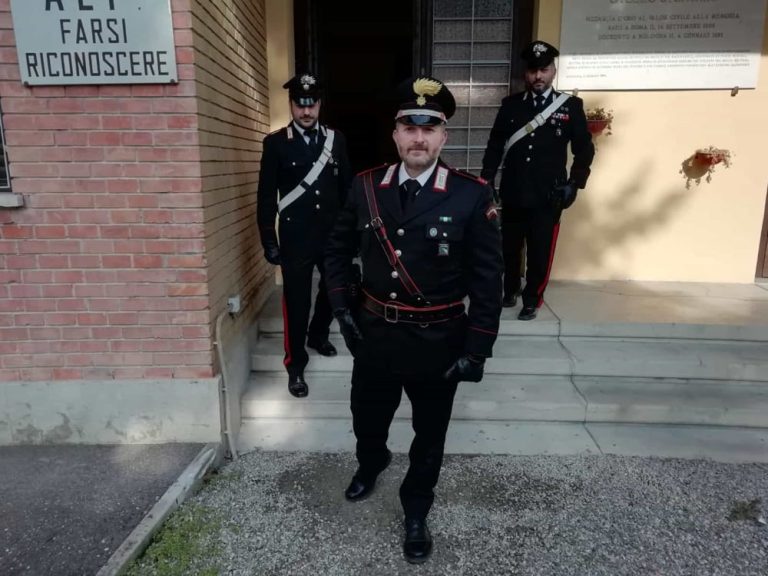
{"points": [[598, 120], [710, 156], [701, 164]]}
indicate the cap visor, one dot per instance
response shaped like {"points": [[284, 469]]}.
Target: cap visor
{"points": [[420, 120]]}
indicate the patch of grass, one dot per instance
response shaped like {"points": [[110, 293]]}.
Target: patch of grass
{"points": [[183, 546]]}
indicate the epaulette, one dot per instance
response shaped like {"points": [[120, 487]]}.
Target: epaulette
{"points": [[276, 131], [372, 169], [470, 176]]}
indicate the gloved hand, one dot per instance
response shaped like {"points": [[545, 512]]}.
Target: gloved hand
{"points": [[349, 329], [272, 253], [468, 368], [563, 196]]}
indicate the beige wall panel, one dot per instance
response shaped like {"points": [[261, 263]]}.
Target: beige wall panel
{"points": [[280, 55], [636, 219]]}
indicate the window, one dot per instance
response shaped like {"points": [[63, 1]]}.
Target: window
{"points": [[472, 44], [5, 175]]}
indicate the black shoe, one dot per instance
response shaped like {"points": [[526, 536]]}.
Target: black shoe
{"points": [[323, 348], [361, 485], [297, 385], [418, 541], [527, 313], [510, 299]]}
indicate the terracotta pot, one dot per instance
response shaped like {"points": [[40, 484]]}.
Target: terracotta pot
{"points": [[597, 127]]}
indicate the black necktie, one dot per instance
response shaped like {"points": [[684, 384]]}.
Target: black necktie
{"points": [[312, 135], [538, 101], [408, 191]]}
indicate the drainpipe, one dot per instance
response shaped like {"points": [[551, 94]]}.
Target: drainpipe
{"points": [[223, 391]]}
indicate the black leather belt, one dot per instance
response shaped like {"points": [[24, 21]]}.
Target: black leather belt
{"points": [[395, 313]]}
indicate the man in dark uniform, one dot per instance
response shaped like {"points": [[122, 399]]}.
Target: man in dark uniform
{"points": [[534, 128], [304, 178], [427, 238]]}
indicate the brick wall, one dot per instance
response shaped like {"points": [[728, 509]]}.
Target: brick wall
{"points": [[135, 199], [233, 99]]}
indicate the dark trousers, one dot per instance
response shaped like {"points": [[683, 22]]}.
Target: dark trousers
{"points": [[297, 301], [538, 228], [375, 396]]}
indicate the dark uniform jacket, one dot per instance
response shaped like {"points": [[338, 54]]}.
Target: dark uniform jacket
{"points": [[537, 162], [449, 243], [305, 224]]}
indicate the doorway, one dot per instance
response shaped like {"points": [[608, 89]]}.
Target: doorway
{"points": [[360, 56], [762, 255]]}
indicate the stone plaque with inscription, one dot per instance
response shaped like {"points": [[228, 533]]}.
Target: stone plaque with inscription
{"points": [[660, 44]]}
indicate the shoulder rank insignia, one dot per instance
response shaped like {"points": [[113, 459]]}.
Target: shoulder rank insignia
{"points": [[387, 180], [441, 179]]}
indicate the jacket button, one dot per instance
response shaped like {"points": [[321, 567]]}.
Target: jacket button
{"points": [[392, 295], [530, 147], [400, 232], [398, 253], [527, 159], [317, 206], [394, 274], [317, 192]]}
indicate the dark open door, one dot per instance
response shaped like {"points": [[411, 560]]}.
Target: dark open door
{"points": [[762, 255], [362, 54]]}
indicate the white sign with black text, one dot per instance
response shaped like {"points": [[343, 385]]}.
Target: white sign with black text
{"points": [[64, 42], [660, 44]]}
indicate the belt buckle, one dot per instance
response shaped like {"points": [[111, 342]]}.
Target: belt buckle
{"points": [[393, 317], [376, 223]]}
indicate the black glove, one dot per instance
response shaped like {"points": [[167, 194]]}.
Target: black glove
{"points": [[563, 196], [468, 368], [349, 329], [272, 253]]}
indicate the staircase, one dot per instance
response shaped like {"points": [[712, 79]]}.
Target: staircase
{"points": [[599, 356]]}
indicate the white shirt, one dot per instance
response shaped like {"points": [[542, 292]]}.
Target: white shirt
{"points": [[422, 178], [303, 131], [544, 96]]}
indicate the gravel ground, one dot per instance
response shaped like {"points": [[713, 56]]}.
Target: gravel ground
{"points": [[284, 513]]}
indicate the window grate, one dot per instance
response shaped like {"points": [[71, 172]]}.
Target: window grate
{"points": [[472, 55], [5, 174]]}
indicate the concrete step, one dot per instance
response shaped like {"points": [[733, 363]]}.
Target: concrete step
{"points": [[497, 397], [670, 401], [531, 355], [625, 310], [687, 359], [518, 398], [626, 358], [522, 439]]}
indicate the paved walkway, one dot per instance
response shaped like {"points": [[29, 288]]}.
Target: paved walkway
{"points": [[65, 509]]}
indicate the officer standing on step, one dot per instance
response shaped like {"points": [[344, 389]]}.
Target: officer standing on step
{"points": [[427, 237], [303, 182], [534, 129]]}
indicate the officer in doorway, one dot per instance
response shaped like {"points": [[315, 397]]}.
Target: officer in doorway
{"points": [[427, 237], [303, 182], [533, 129]]}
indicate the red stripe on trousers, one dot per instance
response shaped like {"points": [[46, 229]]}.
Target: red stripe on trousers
{"points": [[286, 341], [543, 286]]}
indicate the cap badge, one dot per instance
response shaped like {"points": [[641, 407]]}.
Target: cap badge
{"points": [[425, 87], [539, 49], [306, 81]]}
